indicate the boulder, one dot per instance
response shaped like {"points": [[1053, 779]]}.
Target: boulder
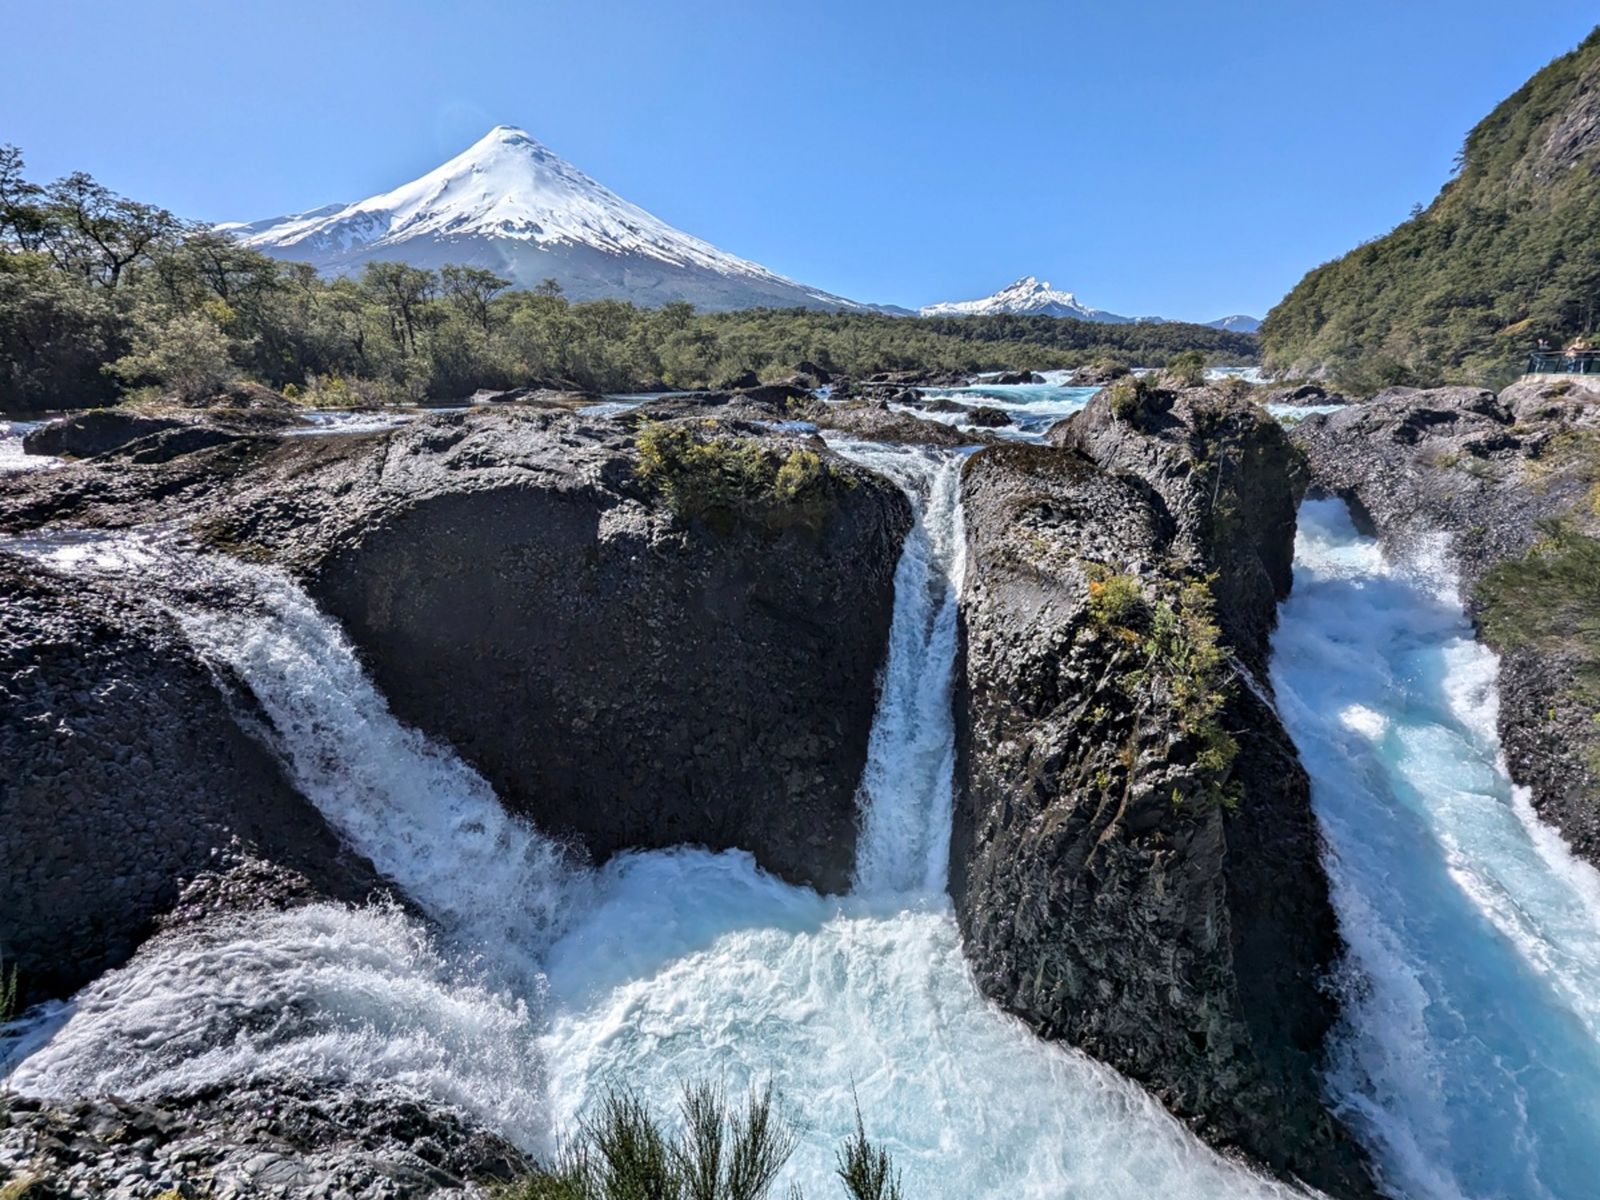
{"points": [[879, 423], [986, 416], [1304, 394], [1099, 374], [1134, 860], [545, 395], [167, 431], [97, 431]]}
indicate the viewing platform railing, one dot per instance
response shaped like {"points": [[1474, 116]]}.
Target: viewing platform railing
{"points": [[1556, 362]]}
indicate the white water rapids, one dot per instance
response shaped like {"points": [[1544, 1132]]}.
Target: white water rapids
{"points": [[1470, 1054], [1469, 1060]]}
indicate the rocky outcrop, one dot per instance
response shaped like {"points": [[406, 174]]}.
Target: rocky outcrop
{"points": [[626, 675], [1135, 862], [129, 773], [163, 432], [1303, 395], [1099, 374], [94, 432], [1496, 474], [247, 1141], [1229, 479], [880, 423], [986, 416]]}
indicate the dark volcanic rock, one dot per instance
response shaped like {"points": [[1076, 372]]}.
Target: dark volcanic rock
{"points": [[1490, 472], [1115, 889], [1096, 374], [540, 395], [988, 417], [1304, 394], [253, 1140], [127, 775], [618, 675], [86, 434], [882, 424], [1230, 480], [165, 433]]}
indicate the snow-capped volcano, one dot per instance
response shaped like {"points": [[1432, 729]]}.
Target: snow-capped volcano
{"points": [[1033, 297], [512, 205], [1028, 296]]}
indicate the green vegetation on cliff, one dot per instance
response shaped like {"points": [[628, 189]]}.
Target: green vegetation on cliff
{"points": [[100, 294], [721, 479], [1508, 252], [1178, 665], [1549, 601]]}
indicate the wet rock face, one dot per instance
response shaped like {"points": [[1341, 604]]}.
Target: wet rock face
{"points": [[623, 677], [127, 775], [1230, 480], [1115, 889], [259, 1140]]}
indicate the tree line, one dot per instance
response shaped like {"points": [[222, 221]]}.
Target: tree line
{"points": [[101, 295], [1507, 255]]}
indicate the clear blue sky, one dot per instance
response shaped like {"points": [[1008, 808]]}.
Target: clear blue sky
{"points": [[1157, 156]]}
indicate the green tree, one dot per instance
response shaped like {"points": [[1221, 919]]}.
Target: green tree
{"points": [[471, 290], [186, 355], [402, 292]]}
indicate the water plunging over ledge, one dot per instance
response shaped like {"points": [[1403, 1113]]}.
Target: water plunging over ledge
{"points": [[664, 966]]}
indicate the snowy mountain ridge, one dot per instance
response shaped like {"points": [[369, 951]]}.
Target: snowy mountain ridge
{"points": [[1032, 297], [511, 204], [1028, 296]]}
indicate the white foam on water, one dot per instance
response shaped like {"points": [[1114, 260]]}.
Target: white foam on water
{"points": [[13, 459], [1469, 1054], [324, 994], [427, 820], [666, 967], [745, 979]]}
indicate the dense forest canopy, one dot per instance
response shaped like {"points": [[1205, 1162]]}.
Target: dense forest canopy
{"points": [[100, 295], [1508, 253]]}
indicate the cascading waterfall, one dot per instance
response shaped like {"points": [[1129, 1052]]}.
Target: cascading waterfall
{"points": [[670, 966], [905, 788], [1469, 1058], [694, 964]]}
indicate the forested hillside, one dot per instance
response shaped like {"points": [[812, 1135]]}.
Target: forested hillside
{"points": [[1509, 252], [101, 295]]}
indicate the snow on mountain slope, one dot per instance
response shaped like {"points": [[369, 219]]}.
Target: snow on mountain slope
{"points": [[511, 204], [1032, 297], [1028, 296], [1238, 323]]}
